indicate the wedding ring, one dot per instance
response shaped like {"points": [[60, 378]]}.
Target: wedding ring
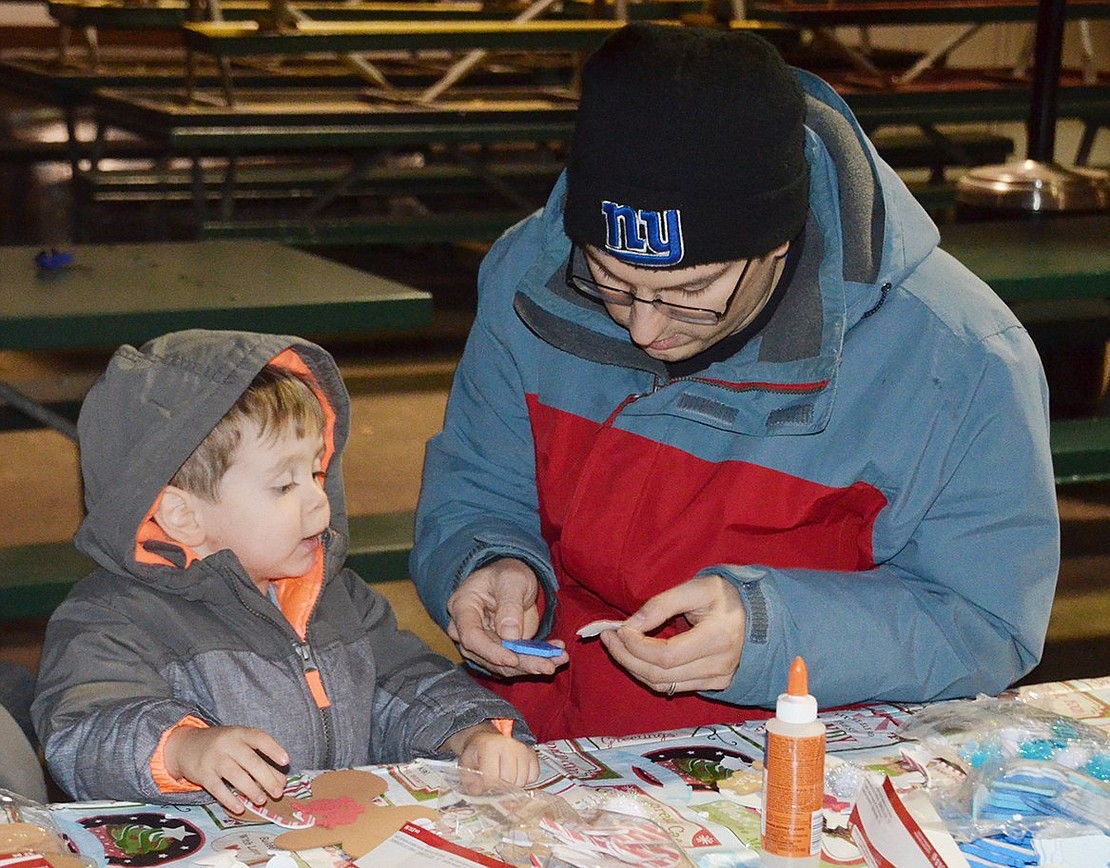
{"points": [[671, 689]]}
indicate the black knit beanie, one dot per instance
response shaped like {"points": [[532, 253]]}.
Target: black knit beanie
{"points": [[688, 149]]}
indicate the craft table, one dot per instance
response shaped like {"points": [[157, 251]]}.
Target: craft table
{"points": [[127, 293], [698, 784]]}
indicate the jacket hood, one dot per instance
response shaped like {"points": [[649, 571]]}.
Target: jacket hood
{"points": [[150, 410], [864, 234]]}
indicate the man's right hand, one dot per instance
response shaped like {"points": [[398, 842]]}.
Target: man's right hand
{"points": [[495, 602]]}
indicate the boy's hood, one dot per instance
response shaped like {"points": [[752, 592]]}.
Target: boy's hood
{"points": [[153, 406]]}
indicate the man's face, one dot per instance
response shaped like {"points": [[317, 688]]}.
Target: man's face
{"points": [[271, 507], [702, 286]]}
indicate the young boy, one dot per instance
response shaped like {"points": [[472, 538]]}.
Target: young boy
{"points": [[222, 639]]}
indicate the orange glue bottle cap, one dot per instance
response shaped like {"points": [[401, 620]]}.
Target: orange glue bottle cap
{"points": [[797, 705]]}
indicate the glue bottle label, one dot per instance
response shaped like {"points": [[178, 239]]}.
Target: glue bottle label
{"points": [[794, 790]]}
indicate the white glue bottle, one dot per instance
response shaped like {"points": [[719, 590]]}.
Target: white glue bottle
{"points": [[793, 778]]}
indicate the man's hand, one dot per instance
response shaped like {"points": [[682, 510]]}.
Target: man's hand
{"points": [[705, 657], [495, 602], [221, 757], [498, 757]]}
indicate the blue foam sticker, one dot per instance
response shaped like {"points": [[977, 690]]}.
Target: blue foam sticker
{"points": [[532, 647]]}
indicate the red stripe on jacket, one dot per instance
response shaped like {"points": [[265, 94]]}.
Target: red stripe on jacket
{"points": [[627, 517]]}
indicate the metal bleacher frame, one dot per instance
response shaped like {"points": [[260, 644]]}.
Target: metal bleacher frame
{"points": [[376, 84]]}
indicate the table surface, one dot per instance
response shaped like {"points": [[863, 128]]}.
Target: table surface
{"points": [[697, 783], [1043, 257], [127, 293]]}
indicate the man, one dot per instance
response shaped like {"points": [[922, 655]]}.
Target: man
{"points": [[725, 391]]}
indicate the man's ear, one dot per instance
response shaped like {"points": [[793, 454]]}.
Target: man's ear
{"points": [[178, 515]]}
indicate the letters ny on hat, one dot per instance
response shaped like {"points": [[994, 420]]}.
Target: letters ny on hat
{"points": [[688, 148]]}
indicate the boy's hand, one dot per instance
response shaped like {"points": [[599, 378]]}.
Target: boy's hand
{"points": [[498, 757], [221, 757]]}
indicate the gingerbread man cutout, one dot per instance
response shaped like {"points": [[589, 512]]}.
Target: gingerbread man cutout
{"points": [[343, 810]]}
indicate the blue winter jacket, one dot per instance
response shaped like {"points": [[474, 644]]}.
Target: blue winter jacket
{"points": [[871, 470]]}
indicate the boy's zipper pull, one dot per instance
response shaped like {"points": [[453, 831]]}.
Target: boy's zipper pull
{"points": [[316, 688], [312, 674], [305, 653]]}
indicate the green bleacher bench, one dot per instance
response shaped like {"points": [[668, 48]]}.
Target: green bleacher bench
{"points": [[916, 149], [289, 191], [1081, 450], [958, 95], [422, 228], [349, 128], [276, 180], [34, 579], [1054, 272], [247, 39], [902, 150], [21, 151], [283, 121], [171, 14], [939, 199], [821, 13]]}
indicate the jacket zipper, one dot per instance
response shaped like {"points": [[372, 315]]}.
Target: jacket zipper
{"points": [[658, 385], [308, 664], [773, 388]]}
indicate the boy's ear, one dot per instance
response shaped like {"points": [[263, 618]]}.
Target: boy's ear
{"points": [[178, 516]]}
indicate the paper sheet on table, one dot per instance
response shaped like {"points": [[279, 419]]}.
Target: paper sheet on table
{"points": [[1084, 850], [892, 833], [415, 847]]}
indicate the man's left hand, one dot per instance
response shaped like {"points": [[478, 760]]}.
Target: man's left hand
{"points": [[705, 657]]}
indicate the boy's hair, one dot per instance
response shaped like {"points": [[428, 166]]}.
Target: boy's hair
{"points": [[275, 400]]}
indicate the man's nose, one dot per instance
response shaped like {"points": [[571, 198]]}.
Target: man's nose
{"points": [[645, 324]]}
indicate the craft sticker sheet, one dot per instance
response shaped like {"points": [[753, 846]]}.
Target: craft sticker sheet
{"points": [[700, 785], [139, 838]]}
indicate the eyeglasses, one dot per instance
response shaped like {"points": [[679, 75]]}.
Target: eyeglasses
{"points": [[626, 297]]}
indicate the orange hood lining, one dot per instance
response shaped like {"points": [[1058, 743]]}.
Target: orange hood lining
{"points": [[297, 594]]}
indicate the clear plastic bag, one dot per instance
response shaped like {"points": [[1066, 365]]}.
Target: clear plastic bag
{"points": [[539, 830], [30, 837], [1011, 768]]}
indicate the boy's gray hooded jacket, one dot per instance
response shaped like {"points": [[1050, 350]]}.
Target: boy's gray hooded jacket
{"points": [[155, 636]]}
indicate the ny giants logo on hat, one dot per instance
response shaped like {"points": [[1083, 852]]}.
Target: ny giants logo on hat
{"points": [[639, 237]]}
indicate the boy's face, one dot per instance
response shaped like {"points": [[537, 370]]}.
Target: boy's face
{"points": [[271, 507]]}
